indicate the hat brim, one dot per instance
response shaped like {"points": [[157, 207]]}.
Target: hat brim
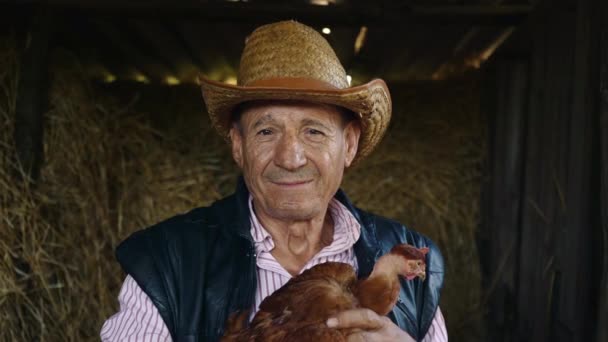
{"points": [[371, 102]]}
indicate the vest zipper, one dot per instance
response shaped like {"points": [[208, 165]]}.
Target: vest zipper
{"points": [[248, 295], [252, 274]]}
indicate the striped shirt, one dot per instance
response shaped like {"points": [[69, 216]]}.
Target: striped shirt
{"points": [[139, 320], [271, 275]]}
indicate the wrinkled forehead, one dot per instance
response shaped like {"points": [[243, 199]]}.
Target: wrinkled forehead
{"points": [[301, 109]]}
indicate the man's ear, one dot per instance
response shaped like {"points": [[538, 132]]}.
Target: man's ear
{"points": [[236, 140], [352, 132]]}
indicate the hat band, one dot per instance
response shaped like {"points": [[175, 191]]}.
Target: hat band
{"points": [[293, 83]]}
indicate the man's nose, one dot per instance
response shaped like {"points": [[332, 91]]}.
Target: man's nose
{"points": [[290, 153]]}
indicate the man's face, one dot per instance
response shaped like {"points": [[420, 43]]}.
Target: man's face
{"points": [[293, 156]]}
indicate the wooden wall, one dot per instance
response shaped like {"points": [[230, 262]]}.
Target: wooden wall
{"points": [[602, 329], [541, 236]]}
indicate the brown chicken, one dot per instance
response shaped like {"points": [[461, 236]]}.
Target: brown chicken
{"points": [[298, 310]]}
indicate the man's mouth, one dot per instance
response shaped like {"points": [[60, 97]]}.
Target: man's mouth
{"points": [[292, 183]]}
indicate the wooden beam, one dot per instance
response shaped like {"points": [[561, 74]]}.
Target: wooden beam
{"points": [[98, 58], [469, 53], [218, 56], [165, 45], [436, 53], [32, 94], [472, 10], [123, 43], [201, 42], [366, 12]]}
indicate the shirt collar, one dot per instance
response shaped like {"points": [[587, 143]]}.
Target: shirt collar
{"points": [[346, 228]]}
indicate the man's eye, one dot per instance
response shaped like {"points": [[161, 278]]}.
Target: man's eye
{"points": [[315, 132], [265, 132]]}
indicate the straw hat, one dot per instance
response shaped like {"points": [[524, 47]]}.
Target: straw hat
{"points": [[291, 61]]}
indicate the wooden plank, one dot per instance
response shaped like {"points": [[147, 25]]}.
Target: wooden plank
{"points": [[573, 318], [506, 155], [534, 221], [555, 286], [32, 94], [541, 274], [602, 318]]}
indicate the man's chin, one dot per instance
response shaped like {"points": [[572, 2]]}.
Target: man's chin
{"points": [[295, 212]]}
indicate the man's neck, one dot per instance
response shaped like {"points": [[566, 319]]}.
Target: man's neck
{"points": [[296, 242]]}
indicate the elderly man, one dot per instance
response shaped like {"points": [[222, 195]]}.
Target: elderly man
{"points": [[295, 126]]}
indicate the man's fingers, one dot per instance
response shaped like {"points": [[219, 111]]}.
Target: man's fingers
{"points": [[357, 338], [364, 319]]}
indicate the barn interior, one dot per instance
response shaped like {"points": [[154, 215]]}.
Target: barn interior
{"points": [[497, 147]]}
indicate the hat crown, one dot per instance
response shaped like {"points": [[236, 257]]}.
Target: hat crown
{"points": [[288, 49]]}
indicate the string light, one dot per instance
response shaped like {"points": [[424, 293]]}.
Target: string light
{"points": [[349, 79], [326, 30], [141, 78], [109, 78], [171, 80]]}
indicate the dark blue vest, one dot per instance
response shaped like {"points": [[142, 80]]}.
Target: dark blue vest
{"points": [[199, 267]]}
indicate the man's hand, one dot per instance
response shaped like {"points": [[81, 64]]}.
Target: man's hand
{"points": [[368, 326]]}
